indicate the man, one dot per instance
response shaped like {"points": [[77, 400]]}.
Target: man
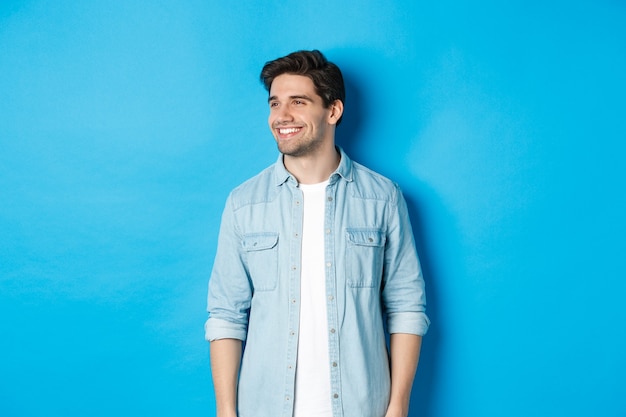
{"points": [[315, 261]]}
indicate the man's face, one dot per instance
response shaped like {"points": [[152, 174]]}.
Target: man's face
{"points": [[298, 120]]}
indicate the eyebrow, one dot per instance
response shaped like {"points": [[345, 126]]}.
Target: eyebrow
{"points": [[296, 97]]}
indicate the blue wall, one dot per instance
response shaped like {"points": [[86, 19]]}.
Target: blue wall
{"points": [[123, 126]]}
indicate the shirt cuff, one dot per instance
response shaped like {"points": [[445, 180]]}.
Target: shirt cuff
{"points": [[408, 322], [215, 329]]}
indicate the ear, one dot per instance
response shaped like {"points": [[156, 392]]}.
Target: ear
{"points": [[336, 110]]}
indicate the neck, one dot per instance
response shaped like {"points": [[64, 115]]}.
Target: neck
{"points": [[315, 168]]}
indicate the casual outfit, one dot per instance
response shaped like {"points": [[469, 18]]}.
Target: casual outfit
{"points": [[260, 292]]}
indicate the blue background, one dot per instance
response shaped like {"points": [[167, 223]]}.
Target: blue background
{"points": [[124, 125]]}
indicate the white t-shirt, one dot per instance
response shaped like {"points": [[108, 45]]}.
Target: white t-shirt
{"points": [[312, 395]]}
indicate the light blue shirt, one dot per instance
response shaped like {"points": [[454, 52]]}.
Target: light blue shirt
{"points": [[373, 284]]}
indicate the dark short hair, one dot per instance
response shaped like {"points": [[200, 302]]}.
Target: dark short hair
{"points": [[325, 75]]}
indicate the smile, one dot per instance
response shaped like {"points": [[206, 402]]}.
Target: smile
{"points": [[288, 131]]}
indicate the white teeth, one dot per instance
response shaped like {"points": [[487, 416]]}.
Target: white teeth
{"points": [[288, 131]]}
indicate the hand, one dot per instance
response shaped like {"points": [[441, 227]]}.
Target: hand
{"points": [[393, 411]]}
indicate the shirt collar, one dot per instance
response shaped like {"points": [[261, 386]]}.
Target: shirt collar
{"points": [[344, 170]]}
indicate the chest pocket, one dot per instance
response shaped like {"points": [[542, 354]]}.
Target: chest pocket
{"points": [[364, 257], [262, 255]]}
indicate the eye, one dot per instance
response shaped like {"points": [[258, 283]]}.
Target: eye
{"points": [[273, 104], [298, 102]]}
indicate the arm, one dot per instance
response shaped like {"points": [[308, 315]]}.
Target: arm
{"points": [[225, 362], [405, 304], [405, 351], [228, 304]]}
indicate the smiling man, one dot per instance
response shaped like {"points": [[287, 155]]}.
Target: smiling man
{"points": [[315, 263]]}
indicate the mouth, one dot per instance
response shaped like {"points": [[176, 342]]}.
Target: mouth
{"points": [[287, 132]]}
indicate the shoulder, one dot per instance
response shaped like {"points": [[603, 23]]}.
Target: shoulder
{"points": [[369, 184], [257, 189]]}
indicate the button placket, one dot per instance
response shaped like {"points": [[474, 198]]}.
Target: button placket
{"points": [[331, 294], [293, 294]]}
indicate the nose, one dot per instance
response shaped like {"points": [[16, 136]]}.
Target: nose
{"points": [[282, 115]]}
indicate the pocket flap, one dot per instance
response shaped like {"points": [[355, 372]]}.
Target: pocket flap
{"points": [[366, 237], [259, 241]]}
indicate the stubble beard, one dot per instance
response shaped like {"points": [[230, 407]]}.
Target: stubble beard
{"points": [[303, 147]]}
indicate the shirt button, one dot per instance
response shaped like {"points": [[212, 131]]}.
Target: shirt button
{"points": [[292, 333], [327, 231], [335, 395], [330, 198], [332, 330], [334, 364], [286, 398], [293, 301], [328, 264], [293, 267], [331, 298]]}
